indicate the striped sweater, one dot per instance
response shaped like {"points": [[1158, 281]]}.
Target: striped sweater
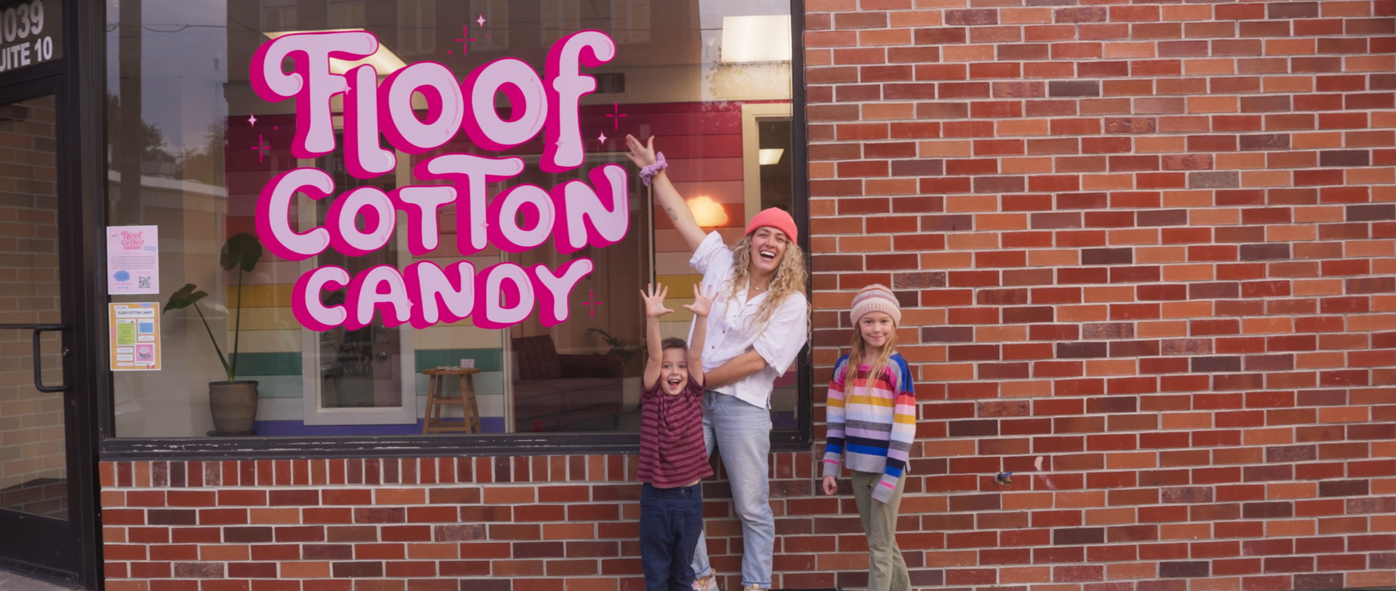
{"points": [[871, 425]]}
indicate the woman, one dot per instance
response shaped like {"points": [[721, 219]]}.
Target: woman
{"points": [[756, 328]]}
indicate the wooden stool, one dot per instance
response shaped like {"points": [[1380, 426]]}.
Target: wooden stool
{"points": [[466, 400]]}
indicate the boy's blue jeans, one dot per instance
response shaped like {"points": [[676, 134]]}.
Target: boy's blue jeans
{"points": [[670, 521]]}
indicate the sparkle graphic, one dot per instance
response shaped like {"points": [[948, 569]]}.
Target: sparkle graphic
{"points": [[252, 120], [481, 20], [261, 147], [592, 304], [602, 137], [615, 115], [464, 40]]}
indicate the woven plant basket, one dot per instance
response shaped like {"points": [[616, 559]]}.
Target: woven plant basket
{"points": [[234, 405]]}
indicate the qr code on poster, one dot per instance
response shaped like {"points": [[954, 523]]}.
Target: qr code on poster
{"points": [[143, 282]]}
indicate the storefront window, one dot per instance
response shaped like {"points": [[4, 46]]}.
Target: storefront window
{"points": [[195, 146]]}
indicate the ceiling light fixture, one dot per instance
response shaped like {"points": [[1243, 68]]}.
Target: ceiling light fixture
{"points": [[756, 38]]}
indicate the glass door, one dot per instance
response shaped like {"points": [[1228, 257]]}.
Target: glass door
{"points": [[36, 491]]}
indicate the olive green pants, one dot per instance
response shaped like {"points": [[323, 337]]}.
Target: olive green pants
{"points": [[886, 568]]}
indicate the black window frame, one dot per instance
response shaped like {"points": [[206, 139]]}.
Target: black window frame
{"points": [[113, 448]]}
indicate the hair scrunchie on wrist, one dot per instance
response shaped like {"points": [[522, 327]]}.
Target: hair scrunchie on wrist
{"points": [[647, 173]]}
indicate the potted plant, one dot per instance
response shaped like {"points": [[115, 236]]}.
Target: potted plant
{"points": [[233, 402], [632, 354], [631, 351]]}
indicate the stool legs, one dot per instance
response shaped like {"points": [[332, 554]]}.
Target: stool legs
{"points": [[468, 406], [433, 414], [436, 399]]}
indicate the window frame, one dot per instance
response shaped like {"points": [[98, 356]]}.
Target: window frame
{"points": [[313, 411], [280, 5], [113, 448], [419, 29], [348, 4], [629, 17], [497, 13]]}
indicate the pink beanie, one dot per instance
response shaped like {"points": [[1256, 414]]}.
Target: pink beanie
{"points": [[775, 218], [876, 298]]}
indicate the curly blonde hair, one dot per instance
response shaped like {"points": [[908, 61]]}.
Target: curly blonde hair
{"points": [[790, 276]]}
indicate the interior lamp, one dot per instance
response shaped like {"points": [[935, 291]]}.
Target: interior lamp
{"points": [[384, 60], [769, 156], [708, 213]]}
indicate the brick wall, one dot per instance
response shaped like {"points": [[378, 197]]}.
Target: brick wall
{"points": [[564, 523], [1150, 244], [33, 466]]}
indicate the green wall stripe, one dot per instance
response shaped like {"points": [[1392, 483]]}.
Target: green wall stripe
{"points": [[269, 364], [289, 364], [278, 386]]}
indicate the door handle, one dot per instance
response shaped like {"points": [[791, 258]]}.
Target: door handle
{"points": [[38, 367]]}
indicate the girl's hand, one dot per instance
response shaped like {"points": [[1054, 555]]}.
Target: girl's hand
{"points": [[654, 301], [831, 486], [641, 154], [702, 300]]}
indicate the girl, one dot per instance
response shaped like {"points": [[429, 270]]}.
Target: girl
{"points": [[871, 424], [757, 326]]}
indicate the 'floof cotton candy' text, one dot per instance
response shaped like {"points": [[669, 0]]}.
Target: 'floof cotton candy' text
{"points": [[575, 214]]}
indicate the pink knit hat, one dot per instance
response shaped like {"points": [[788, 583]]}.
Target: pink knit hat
{"points": [[876, 298], [775, 218]]}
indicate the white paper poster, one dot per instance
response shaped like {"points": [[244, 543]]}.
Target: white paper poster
{"points": [[133, 259]]}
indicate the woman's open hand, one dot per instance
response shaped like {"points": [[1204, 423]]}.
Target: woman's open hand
{"points": [[641, 154]]}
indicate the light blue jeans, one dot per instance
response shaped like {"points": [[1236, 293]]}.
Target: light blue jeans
{"points": [[742, 435]]}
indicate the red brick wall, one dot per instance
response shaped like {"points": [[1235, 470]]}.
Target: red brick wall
{"points": [[1148, 243], [563, 523]]}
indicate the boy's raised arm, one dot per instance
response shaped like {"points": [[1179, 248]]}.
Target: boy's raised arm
{"points": [[702, 304], [654, 308]]}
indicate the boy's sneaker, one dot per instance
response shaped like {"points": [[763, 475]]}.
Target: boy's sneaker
{"points": [[753, 587], [708, 583]]}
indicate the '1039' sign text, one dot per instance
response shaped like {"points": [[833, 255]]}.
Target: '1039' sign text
{"points": [[31, 33]]}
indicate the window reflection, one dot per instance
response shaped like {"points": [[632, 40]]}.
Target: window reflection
{"points": [[358, 368], [710, 79]]}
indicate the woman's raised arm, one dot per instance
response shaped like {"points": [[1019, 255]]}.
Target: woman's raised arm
{"points": [[665, 194]]}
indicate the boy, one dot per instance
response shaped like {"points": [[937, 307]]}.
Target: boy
{"points": [[673, 457]]}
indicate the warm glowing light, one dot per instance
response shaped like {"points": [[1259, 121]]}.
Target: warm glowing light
{"points": [[756, 38], [706, 212], [769, 156], [384, 60]]}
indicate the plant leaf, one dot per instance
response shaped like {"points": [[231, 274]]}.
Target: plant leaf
{"points": [[185, 297], [241, 250]]}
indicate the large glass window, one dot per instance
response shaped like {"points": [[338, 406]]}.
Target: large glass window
{"points": [[194, 147]]}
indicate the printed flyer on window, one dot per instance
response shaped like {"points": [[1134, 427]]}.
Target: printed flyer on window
{"points": [[135, 336], [133, 259]]}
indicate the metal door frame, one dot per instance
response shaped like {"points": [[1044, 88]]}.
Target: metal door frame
{"points": [[77, 82]]}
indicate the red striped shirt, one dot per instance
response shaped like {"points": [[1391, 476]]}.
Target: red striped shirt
{"points": [[672, 453]]}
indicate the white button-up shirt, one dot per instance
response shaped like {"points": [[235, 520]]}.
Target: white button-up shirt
{"points": [[732, 327]]}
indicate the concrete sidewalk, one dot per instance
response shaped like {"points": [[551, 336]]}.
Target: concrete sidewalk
{"points": [[12, 582]]}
